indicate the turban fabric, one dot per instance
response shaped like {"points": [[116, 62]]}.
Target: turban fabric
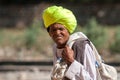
{"points": [[58, 14]]}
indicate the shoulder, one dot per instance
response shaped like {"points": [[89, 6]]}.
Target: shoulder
{"points": [[81, 42]]}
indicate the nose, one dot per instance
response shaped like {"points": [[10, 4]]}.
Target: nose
{"points": [[57, 31]]}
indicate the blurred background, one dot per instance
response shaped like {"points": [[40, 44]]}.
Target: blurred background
{"points": [[26, 48]]}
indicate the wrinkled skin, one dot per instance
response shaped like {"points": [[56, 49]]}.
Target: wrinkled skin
{"points": [[60, 36]]}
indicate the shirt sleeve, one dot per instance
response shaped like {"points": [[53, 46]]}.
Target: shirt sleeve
{"points": [[87, 71]]}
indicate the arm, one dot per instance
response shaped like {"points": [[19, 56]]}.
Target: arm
{"points": [[87, 71]]}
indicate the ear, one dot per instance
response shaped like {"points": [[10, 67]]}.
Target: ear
{"points": [[48, 30], [49, 34]]}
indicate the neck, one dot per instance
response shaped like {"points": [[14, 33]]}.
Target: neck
{"points": [[61, 46]]}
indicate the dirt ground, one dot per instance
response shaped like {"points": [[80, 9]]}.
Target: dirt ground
{"points": [[28, 75]]}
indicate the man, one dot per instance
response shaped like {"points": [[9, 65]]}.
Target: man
{"points": [[60, 24]]}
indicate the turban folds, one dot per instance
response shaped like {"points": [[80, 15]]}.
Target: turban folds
{"points": [[58, 14]]}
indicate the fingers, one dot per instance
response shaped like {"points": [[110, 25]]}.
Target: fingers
{"points": [[68, 54], [63, 54], [66, 51]]}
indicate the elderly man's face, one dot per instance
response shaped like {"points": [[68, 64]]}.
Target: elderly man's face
{"points": [[59, 34]]}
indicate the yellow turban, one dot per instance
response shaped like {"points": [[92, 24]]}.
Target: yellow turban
{"points": [[58, 14]]}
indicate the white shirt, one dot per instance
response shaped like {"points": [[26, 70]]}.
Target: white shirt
{"points": [[77, 71]]}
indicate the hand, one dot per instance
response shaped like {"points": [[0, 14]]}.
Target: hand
{"points": [[68, 55]]}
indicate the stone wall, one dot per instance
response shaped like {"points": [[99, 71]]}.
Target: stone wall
{"points": [[16, 15], [104, 14], [23, 15]]}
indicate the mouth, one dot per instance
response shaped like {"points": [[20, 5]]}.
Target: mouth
{"points": [[58, 37]]}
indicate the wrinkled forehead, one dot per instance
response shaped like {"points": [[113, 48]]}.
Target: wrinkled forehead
{"points": [[57, 25]]}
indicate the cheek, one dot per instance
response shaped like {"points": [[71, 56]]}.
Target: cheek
{"points": [[52, 36], [66, 35]]}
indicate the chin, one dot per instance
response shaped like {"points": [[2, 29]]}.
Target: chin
{"points": [[62, 44]]}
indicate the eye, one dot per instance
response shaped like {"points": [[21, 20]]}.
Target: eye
{"points": [[52, 30], [61, 29]]}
